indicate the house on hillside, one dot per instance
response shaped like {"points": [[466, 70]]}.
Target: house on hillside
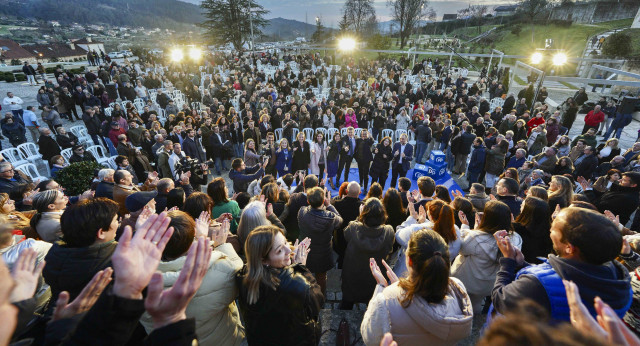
{"points": [[89, 44], [10, 50], [449, 17], [506, 10], [59, 51]]}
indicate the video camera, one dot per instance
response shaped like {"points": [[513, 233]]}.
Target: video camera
{"points": [[188, 164]]}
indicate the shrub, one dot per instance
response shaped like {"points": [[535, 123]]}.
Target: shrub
{"points": [[9, 78], [617, 45], [21, 77], [516, 30], [76, 178], [15, 62]]}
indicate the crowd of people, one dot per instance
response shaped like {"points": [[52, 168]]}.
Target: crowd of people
{"points": [[161, 249]]}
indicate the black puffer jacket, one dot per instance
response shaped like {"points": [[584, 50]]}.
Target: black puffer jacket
{"points": [[70, 269], [287, 315], [620, 200], [318, 225], [381, 161]]}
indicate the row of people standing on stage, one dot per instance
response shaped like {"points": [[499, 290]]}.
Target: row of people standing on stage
{"points": [[333, 158]]}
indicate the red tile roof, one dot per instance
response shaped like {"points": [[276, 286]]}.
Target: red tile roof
{"points": [[57, 50], [12, 50]]}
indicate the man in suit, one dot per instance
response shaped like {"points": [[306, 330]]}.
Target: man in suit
{"points": [[176, 135], [586, 164], [402, 156], [252, 132], [192, 148], [216, 146], [297, 200], [349, 208], [348, 144]]}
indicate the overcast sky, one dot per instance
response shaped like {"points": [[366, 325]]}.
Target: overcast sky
{"points": [[329, 10]]}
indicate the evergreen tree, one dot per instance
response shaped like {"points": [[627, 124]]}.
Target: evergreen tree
{"points": [[230, 21]]}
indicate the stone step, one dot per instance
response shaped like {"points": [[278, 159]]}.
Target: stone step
{"points": [[330, 321]]}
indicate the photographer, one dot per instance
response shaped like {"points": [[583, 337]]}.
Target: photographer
{"points": [[241, 175]]}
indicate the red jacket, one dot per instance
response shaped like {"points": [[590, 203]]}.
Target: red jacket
{"points": [[534, 122], [592, 119]]}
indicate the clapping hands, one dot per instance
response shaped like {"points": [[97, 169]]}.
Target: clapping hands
{"points": [[377, 273], [301, 251]]}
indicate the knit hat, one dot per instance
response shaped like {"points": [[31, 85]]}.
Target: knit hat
{"points": [[138, 200]]}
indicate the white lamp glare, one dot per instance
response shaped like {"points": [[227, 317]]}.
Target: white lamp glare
{"points": [[347, 44], [176, 55], [195, 53], [536, 58], [559, 59]]}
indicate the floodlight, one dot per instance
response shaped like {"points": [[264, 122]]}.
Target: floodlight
{"points": [[176, 55], [536, 58], [195, 53], [347, 44], [559, 59]]}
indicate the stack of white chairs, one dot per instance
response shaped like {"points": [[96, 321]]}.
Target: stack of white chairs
{"points": [[14, 156], [31, 170], [99, 153], [66, 153]]}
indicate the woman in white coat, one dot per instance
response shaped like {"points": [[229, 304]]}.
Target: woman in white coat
{"points": [[477, 263], [402, 120], [328, 119], [213, 306], [319, 150], [428, 307]]}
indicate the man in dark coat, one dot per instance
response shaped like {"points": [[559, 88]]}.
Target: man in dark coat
{"points": [[10, 178], [622, 199], [349, 209], [466, 141], [586, 164], [297, 200], [47, 146], [402, 155], [92, 123], [105, 186]]}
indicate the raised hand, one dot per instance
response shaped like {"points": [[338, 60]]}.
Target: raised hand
{"points": [[28, 196], [377, 273], [463, 218], [614, 218], [390, 274], [302, 251], [412, 211], [202, 225], [136, 257], [170, 305], [144, 216], [422, 215], [26, 275], [220, 233], [85, 300]]}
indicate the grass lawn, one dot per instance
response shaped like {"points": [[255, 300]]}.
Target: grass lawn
{"points": [[571, 39], [569, 85], [519, 80], [471, 31]]}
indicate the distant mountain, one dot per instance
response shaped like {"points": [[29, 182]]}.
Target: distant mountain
{"points": [[288, 29], [147, 13]]}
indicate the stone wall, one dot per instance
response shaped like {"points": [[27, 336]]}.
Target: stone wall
{"points": [[596, 12]]}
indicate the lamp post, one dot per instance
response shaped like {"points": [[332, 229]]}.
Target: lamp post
{"points": [[251, 24], [541, 57]]}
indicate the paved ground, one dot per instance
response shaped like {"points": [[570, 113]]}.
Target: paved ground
{"points": [[331, 316]]}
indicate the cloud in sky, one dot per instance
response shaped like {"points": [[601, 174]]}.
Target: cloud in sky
{"points": [[330, 10]]}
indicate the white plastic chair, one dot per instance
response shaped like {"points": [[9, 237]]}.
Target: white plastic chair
{"points": [[99, 153], [30, 151], [388, 133], [14, 156], [107, 111], [357, 132], [294, 134], [323, 131], [31, 170], [111, 163], [343, 131], [308, 133], [66, 153], [278, 134], [399, 132], [330, 133]]}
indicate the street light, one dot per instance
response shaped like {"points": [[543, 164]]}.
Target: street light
{"points": [[536, 58], [559, 59], [176, 55], [195, 53], [346, 44]]}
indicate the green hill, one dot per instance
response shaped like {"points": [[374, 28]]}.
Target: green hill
{"points": [[572, 39]]}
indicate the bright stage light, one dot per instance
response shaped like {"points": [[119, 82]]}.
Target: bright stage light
{"points": [[176, 55], [559, 59], [536, 58], [195, 53], [347, 44]]}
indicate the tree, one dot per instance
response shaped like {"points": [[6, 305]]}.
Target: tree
{"points": [[357, 13], [319, 33], [531, 9], [617, 45], [407, 13], [379, 42], [230, 21]]}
